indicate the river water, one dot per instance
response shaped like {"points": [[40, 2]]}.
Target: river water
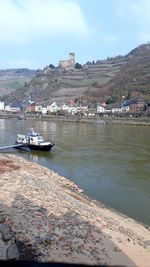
{"points": [[110, 163]]}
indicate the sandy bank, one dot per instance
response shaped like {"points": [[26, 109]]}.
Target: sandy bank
{"points": [[53, 221]]}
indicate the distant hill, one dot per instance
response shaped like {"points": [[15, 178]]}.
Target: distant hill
{"points": [[12, 79], [105, 80]]}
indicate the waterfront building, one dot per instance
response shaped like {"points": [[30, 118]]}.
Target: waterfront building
{"points": [[15, 107], [30, 108], [52, 108], [2, 106], [38, 108], [100, 109], [7, 108], [116, 110]]}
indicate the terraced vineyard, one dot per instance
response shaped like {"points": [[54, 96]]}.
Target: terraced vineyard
{"points": [[104, 80]]}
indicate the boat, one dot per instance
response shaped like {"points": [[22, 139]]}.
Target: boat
{"points": [[21, 117], [33, 141], [101, 122]]}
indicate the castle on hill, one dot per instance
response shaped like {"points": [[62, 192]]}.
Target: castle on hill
{"points": [[68, 64]]}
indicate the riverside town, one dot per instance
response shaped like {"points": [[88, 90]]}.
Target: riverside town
{"points": [[128, 108]]}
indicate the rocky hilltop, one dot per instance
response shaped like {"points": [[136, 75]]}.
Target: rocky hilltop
{"points": [[106, 80]]}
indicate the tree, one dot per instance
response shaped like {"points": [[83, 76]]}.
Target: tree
{"points": [[78, 66], [51, 66]]}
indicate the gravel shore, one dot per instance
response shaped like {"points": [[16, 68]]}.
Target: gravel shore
{"points": [[45, 217]]}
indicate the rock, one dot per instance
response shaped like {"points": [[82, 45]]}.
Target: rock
{"points": [[48, 238], [6, 232], [2, 218], [147, 227], [12, 252], [116, 249], [119, 239], [58, 231], [3, 251], [147, 244]]}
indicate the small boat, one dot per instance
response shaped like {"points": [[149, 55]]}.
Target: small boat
{"points": [[101, 122], [33, 141], [21, 117]]}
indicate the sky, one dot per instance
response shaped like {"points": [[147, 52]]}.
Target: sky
{"points": [[36, 33]]}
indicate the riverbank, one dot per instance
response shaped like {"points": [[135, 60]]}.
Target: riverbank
{"points": [[53, 221], [143, 121]]}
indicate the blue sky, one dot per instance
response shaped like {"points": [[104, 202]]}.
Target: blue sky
{"points": [[36, 33]]}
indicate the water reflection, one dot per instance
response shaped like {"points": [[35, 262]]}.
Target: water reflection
{"points": [[2, 125]]}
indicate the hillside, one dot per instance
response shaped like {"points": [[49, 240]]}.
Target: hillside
{"points": [[105, 80], [60, 85], [12, 79], [133, 79]]}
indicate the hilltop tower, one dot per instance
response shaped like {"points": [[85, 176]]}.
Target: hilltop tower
{"points": [[72, 58], [68, 64]]}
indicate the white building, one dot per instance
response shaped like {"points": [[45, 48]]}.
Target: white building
{"points": [[38, 108], [125, 108], [15, 109], [70, 109], [7, 108], [2, 107], [116, 110], [100, 109], [53, 107], [64, 107], [44, 111], [83, 109]]}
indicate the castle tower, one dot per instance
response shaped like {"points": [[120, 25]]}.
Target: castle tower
{"points": [[72, 59]]}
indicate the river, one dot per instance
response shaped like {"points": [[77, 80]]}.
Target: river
{"points": [[110, 163]]}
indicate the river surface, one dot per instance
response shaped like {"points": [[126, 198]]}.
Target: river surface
{"points": [[110, 163]]}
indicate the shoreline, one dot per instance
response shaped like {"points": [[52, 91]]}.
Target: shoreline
{"points": [[53, 220], [144, 121]]}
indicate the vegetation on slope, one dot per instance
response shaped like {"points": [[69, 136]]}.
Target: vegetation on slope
{"points": [[104, 80], [13, 79]]}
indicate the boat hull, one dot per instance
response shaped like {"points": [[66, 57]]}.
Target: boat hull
{"points": [[29, 147], [41, 148]]}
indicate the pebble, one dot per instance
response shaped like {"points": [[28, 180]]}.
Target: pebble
{"points": [[147, 244]]}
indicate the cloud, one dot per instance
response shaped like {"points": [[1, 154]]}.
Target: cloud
{"points": [[23, 20]]}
